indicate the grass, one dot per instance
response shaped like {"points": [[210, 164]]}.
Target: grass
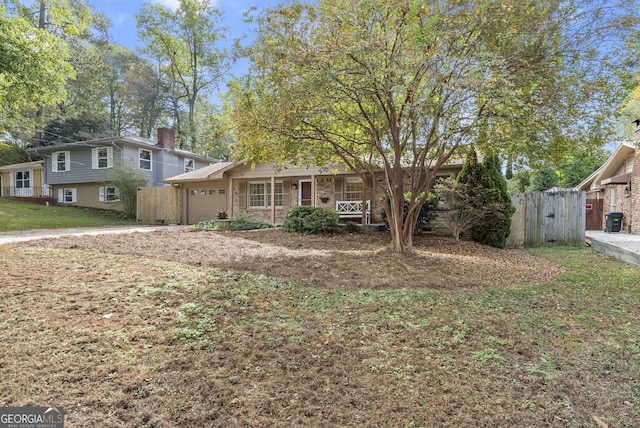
{"points": [[191, 346], [16, 216]]}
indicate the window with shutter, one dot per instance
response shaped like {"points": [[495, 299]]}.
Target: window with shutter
{"points": [[338, 188], [102, 157], [260, 194], [61, 161], [67, 196], [286, 193]]}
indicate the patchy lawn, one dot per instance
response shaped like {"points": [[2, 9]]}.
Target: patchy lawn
{"points": [[186, 329], [15, 215]]}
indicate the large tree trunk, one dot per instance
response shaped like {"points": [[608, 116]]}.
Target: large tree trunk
{"points": [[399, 239]]}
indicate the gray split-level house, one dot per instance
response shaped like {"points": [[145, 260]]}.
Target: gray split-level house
{"points": [[78, 173]]}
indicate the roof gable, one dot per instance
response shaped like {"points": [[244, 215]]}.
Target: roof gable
{"points": [[24, 165], [210, 172], [605, 174]]}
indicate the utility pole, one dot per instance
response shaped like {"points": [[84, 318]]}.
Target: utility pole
{"points": [[39, 113]]}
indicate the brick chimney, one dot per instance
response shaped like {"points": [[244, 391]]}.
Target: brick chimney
{"points": [[167, 139]]}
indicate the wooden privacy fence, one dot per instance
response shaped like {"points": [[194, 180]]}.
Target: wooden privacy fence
{"points": [[546, 219], [158, 205]]}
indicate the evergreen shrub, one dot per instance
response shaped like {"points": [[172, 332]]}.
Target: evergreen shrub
{"points": [[310, 220]]}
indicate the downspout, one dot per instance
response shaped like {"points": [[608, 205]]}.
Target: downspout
{"points": [[113, 143]]}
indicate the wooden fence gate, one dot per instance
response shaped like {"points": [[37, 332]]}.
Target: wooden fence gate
{"points": [[595, 213], [158, 205], [546, 219]]}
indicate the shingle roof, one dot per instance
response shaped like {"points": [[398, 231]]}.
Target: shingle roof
{"points": [[210, 172], [131, 139], [594, 181], [21, 165]]}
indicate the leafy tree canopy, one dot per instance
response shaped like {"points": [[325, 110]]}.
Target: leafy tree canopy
{"points": [[185, 42], [38, 43], [10, 154], [566, 172], [62, 130], [544, 179], [395, 89], [34, 67]]}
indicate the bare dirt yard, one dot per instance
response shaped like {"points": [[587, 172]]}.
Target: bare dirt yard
{"points": [[340, 261], [199, 328]]}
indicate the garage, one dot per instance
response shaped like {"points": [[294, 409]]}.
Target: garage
{"points": [[203, 192], [204, 202]]}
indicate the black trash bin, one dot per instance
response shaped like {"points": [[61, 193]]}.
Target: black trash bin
{"points": [[613, 221]]}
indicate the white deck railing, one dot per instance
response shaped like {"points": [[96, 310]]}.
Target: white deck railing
{"points": [[352, 209]]}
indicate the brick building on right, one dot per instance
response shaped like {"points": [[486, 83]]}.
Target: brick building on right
{"points": [[615, 188]]}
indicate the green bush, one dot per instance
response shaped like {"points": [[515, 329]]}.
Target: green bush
{"points": [[206, 224], [241, 221], [310, 220], [427, 212], [491, 229], [244, 221]]}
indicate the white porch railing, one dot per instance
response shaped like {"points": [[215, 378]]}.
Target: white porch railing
{"points": [[352, 209], [22, 192]]}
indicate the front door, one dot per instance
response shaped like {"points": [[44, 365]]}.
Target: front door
{"points": [[305, 193]]}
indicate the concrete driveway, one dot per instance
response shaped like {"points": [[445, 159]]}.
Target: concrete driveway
{"points": [[623, 246], [31, 235]]}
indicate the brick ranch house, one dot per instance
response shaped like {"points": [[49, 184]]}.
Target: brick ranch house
{"points": [[238, 187], [615, 187]]}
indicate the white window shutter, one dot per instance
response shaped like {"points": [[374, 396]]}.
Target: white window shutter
{"points": [[117, 192], [101, 193], [94, 158], [60, 196], [54, 162], [109, 157], [74, 196], [67, 161]]}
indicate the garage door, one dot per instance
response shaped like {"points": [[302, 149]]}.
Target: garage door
{"points": [[204, 203]]}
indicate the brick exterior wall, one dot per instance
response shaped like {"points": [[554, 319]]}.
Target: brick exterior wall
{"points": [[325, 188], [622, 204], [262, 214], [441, 225], [635, 192]]}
